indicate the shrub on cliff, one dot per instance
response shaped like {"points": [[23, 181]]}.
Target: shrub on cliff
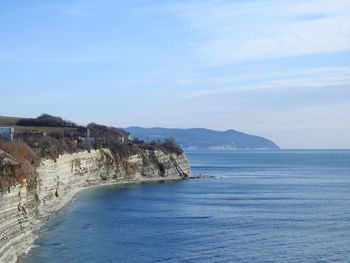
{"points": [[20, 151], [26, 158], [122, 152], [171, 146], [52, 147], [106, 135]]}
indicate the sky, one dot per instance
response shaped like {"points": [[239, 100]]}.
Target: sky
{"points": [[274, 68]]}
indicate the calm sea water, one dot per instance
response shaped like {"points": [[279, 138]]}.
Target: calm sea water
{"points": [[278, 206]]}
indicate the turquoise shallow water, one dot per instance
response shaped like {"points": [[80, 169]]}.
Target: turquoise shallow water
{"points": [[278, 206]]}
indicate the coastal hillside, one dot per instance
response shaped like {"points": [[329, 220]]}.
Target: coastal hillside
{"points": [[204, 139], [45, 161]]}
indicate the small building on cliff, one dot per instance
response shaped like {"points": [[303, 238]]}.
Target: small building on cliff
{"points": [[7, 133]]}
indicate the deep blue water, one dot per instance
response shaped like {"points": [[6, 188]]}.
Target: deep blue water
{"points": [[278, 206]]}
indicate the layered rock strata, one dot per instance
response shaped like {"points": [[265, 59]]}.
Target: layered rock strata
{"points": [[24, 208]]}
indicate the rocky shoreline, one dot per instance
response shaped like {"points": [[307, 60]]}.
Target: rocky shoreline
{"points": [[25, 208]]}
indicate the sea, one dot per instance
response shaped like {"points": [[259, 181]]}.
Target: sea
{"points": [[259, 206]]}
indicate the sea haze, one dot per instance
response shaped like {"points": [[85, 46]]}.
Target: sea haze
{"points": [[263, 206]]}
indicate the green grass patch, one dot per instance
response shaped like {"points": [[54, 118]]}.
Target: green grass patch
{"points": [[21, 129], [11, 122], [8, 121]]}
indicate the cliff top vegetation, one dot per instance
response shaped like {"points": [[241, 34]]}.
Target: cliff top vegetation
{"points": [[40, 138]]}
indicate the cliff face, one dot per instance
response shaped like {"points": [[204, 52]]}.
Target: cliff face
{"points": [[25, 207]]}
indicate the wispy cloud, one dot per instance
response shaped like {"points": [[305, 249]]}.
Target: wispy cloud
{"points": [[309, 78], [87, 9], [80, 10], [229, 32]]}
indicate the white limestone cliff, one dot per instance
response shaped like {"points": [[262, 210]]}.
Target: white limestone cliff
{"points": [[24, 208]]}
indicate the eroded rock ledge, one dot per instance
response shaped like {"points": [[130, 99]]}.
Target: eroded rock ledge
{"points": [[24, 208]]}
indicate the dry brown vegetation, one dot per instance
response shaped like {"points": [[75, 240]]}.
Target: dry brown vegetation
{"points": [[26, 158]]}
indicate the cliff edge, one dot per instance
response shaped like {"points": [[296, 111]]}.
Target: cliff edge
{"points": [[25, 206]]}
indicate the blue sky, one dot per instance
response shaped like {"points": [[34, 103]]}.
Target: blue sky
{"points": [[279, 69]]}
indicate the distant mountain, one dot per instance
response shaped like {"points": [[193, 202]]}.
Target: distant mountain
{"points": [[204, 139]]}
